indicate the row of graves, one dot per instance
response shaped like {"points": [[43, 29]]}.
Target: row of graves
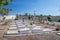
{"points": [[52, 23], [20, 28]]}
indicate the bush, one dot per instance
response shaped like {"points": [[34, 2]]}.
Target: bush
{"points": [[16, 18], [50, 19], [57, 29], [31, 23], [58, 20]]}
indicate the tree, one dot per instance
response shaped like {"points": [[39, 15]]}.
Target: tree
{"points": [[49, 15], [3, 3], [41, 15], [26, 14], [29, 16], [58, 20], [4, 11], [41, 18], [49, 19]]}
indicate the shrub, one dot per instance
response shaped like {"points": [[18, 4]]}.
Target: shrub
{"points": [[58, 20], [31, 23], [50, 19], [16, 18], [23, 19], [57, 29]]}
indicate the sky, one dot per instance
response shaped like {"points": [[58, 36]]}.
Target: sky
{"points": [[44, 7]]}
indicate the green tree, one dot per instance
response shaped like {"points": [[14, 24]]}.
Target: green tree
{"points": [[50, 19], [3, 3], [4, 11], [30, 16]]}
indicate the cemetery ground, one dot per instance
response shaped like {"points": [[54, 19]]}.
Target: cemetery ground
{"points": [[47, 36]]}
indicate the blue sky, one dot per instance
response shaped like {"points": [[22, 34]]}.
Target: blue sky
{"points": [[44, 7]]}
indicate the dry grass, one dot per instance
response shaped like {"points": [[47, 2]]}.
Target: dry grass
{"points": [[31, 38], [3, 29], [35, 37]]}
